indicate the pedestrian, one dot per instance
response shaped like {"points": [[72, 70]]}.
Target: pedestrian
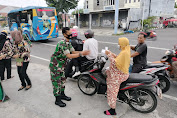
{"points": [[117, 73], [5, 55], [58, 63], [22, 55], [3, 96], [25, 37]]}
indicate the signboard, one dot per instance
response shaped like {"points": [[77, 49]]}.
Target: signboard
{"points": [[86, 11], [107, 8]]}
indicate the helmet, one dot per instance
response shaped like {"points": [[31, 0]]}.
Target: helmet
{"points": [[89, 34], [74, 32], [169, 52], [175, 47], [4, 32]]}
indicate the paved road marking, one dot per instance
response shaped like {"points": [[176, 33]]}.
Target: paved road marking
{"points": [[157, 48], [134, 45], [164, 95], [40, 58]]}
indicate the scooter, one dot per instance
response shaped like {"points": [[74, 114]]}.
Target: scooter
{"points": [[152, 35], [139, 91]]}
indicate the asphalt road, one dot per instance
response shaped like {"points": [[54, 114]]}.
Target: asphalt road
{"points": [[167, 107]]}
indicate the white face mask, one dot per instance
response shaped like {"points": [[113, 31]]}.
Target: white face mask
{"points": [[118, 47]]}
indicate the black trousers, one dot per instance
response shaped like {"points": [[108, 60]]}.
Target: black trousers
{"points": [[5, 64], [23, 75], [137, 68], [74, 62]]}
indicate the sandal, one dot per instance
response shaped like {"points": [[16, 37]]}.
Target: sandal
{"points": [[108, 113], [21, 88], [28, 87]]}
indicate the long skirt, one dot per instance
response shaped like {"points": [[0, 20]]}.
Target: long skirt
{"points": [[114, 78]]}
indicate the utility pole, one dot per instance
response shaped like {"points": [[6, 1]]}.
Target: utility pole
{"points": [[78, 14], [143, 15], [116, 16]]}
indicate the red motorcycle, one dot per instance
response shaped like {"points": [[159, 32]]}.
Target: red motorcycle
{"points": [[152, 35]]}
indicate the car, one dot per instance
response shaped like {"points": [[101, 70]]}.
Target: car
{"points": [[7, 29]]}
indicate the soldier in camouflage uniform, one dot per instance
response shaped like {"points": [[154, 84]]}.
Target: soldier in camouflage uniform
{"points": [[58, 63]]}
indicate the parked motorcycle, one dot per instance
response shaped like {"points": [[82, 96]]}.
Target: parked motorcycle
{"points": [[139, 91]]}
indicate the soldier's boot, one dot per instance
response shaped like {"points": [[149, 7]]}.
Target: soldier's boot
{"points": [[64, 97], [59, 102]]}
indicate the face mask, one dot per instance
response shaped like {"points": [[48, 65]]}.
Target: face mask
{"points": [[69, 36], [118, 47], [70, 40]]}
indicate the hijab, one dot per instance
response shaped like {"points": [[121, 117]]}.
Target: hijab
{"points": [[3, 37], [123, 59]]}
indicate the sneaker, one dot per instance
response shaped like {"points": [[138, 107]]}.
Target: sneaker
{"points": [[76, 74]]}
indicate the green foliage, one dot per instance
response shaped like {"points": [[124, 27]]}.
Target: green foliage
{"points": [[149, 21], [62, 5], [175, 5], [4, 24], [80, 11]]}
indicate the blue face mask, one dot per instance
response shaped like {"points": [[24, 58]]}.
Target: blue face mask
{"points": [[70, 40]]}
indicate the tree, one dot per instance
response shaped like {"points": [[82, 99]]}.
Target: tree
{"points": [[80, 11], [62, 5], [175, 5]]}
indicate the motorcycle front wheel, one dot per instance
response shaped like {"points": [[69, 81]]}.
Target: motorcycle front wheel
{"points": [[164, 83], [87, 85], [145, 102]]}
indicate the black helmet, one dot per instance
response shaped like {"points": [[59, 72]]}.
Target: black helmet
{"points": [[89, 34]]}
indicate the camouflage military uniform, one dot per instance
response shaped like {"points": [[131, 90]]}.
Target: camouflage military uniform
{"points": [[57, 66]]}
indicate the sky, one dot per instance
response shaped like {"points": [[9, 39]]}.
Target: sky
{"points": [[24, 3]]}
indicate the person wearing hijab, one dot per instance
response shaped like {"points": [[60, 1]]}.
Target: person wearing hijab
{"points": [[5, 54], [5, 51], [22, 55], [117, 73]]}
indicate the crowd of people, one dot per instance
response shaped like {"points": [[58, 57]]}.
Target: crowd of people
{"points": [[60, 69]]}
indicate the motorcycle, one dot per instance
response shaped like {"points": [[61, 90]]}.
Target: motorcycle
{"points": [[158, 70], [139, 91], [152, 35]]}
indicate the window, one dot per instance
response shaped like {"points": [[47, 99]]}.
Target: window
{"points": [[138, 0], [134, 0], [98, 2], [47, 11], [129, 1], [126, 1]]}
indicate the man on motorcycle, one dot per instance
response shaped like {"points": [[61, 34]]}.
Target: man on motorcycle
{"points": [[174, 64], [90, 44], [78, 46], [139, 56]]}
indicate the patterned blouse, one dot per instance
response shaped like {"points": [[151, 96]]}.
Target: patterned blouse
{"points": [[7, 50]]}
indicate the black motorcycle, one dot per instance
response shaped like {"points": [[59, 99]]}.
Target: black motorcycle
{"points": [[139, 91]]}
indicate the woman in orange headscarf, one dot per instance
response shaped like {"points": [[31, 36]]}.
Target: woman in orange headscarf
{"points": [[117, 73]]}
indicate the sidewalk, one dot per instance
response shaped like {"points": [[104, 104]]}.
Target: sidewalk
{"points": [[38, 102], [99, 31]]}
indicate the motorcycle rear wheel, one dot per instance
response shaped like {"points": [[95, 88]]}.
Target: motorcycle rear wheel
{"points": [[87, 85], [140, 105]]}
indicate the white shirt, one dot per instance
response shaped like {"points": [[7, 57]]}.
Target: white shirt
{"points": [[92, 45]]}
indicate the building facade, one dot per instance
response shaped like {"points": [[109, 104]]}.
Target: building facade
{"points": [[100, 13]]}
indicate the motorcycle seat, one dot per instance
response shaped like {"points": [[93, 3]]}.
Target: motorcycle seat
{"points": [[139, 78], [154, 65]]}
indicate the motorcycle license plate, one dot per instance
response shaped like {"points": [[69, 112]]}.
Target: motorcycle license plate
{"points": [[159, 92]]}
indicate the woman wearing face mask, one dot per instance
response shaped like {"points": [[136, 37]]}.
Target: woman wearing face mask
{"points": [[22, 55], [117, 73]]}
